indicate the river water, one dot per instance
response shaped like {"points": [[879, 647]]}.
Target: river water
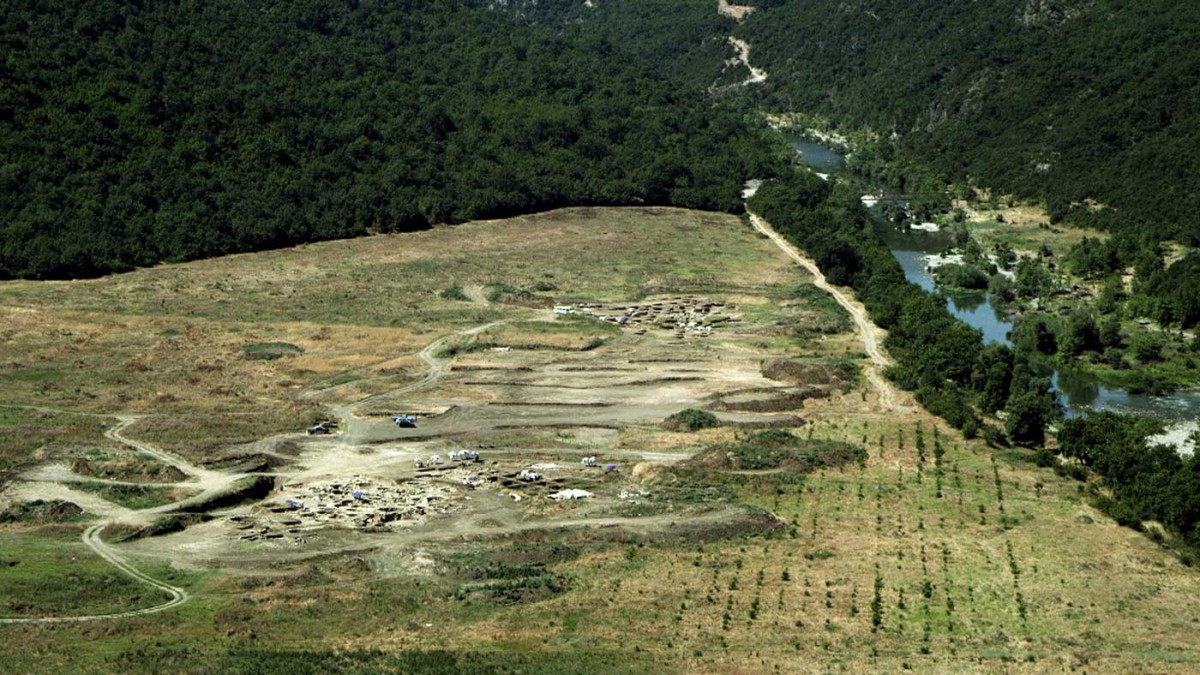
{"points": [[1078, 392]]}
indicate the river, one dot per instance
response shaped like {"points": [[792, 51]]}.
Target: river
{"points": [[1078, 392]]}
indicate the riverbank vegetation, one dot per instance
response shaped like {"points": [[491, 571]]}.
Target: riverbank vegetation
{"points": [[1038, 101], [1148, 486], [940, 358], [1127, 326], [1077, 103]]}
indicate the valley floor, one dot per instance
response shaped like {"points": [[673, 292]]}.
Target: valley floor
{"points": [[189, 387]]}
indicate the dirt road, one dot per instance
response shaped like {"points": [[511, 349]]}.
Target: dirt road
{"points": [[91, 537], [210, 480], [205, 477], [742, 48], [351, 433], [869, 333]]}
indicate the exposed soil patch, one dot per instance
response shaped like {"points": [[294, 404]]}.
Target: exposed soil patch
{"points": [[766, 400], [682, 316], [41, 512], [794, 372], [248, 489], [760, 421], [128, 470], [170, 524]]}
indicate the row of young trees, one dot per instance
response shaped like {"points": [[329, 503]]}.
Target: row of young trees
{"points": [[955, 376], [132, 133]]}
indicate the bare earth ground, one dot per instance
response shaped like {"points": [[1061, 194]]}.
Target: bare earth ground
{"points": [[972, 561]]}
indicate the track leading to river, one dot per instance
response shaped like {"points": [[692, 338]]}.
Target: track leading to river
{"points": [[868, 333]]}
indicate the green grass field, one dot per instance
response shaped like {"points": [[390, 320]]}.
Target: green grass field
{"points": [[932, 553], [49, 572]]}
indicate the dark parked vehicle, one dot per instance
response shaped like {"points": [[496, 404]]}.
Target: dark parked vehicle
{"points": [[322, 428]]}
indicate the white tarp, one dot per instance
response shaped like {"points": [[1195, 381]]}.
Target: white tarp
{"points": [[571, 494]]}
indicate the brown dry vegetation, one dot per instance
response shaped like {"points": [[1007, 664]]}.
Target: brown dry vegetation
{"points": [[171, 341], [984, 562]]}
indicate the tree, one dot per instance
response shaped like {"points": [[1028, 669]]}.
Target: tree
{"points": [[992, 377], [1034, 334], [1081, 334], [1033, 279], [1002, 289], [1111, 295], [973, 252], [1147, 266], [1028, 414], [1110, 332], [1146, 347], [1005, 256]]}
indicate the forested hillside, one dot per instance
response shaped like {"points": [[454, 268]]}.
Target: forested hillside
{"points": [[132, 133], [685, 40], [1064, 100]]}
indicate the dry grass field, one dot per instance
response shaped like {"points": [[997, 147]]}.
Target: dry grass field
{"points": [[911, 549]]}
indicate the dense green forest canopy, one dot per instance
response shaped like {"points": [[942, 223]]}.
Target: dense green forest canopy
{"points": [[685, 40], [135, 132], [1062, 100]]}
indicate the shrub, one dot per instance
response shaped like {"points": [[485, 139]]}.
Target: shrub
{"points": [[1044, 458], [967, 277], [994, 437], [1146, 348], [691, 420], [269, 351], [454, 292], [775, 448], [39, 511]]}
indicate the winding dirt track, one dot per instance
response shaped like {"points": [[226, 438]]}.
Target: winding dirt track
{"points": [[208, 481], [207, 478], [437, 370], [742, 48], [437, 367], [91, 537], [868, 332]]}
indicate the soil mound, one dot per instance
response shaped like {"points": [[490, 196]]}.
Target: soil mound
{"points": [[768, 400], [41, 512], [649, 473], [818, 374]]}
